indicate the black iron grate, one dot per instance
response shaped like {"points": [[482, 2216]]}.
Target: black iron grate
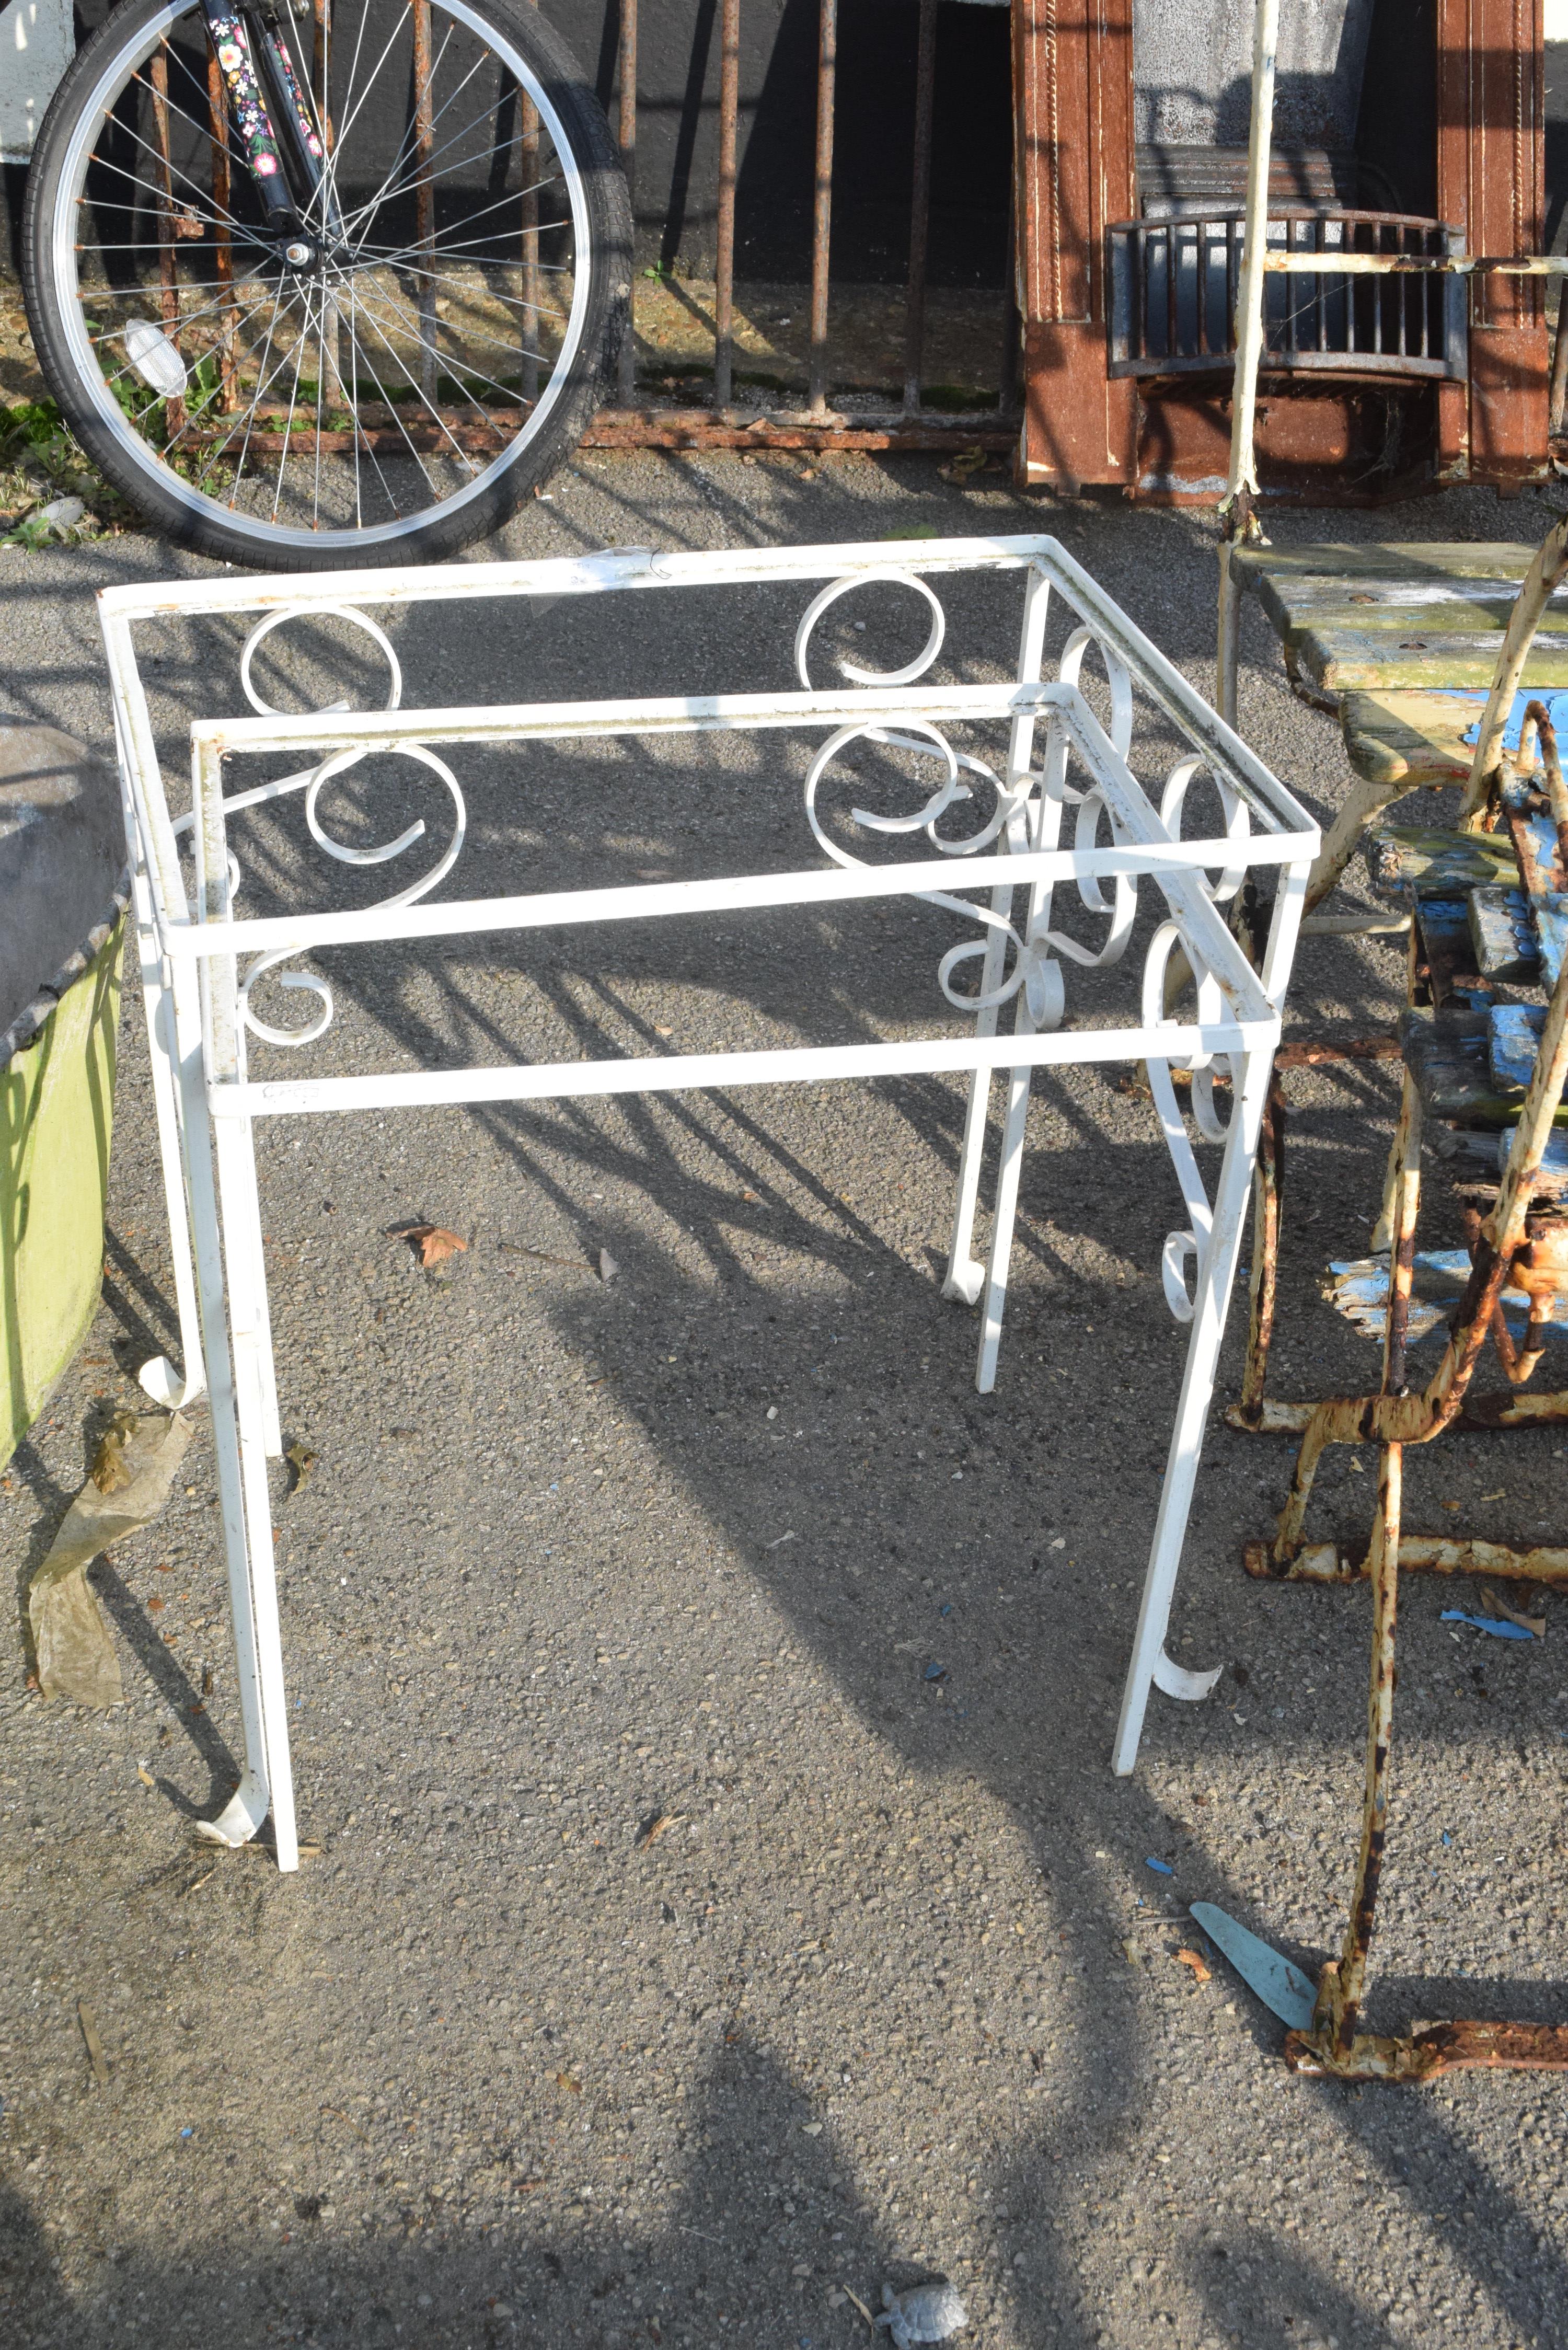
{"points": [[1173, 285]]}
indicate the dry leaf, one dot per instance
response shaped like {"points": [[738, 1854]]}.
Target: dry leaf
{"points": [[431, 1243], [662, 1032], [108, 1472], [301, 1459], [607, 1265], [1500, 1495], [655, 1829], [1131, 1952], [145, 1775], [564, 2081], [1186, 1958]]}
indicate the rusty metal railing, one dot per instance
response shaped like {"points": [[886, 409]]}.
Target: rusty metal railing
{"points": [[907, 424]]}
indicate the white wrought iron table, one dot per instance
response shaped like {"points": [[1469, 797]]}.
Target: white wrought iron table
{"points": [[202, 958]]}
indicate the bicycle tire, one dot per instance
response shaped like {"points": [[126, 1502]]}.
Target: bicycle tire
{"points": [[54, 295]]}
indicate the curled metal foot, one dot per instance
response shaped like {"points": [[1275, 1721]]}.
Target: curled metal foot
{"points": [[163, 1385], [241, 1816], [1176, 1681], [965, 1282]]}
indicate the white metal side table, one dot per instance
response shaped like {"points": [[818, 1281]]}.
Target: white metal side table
{"points": [[1055, 745]]}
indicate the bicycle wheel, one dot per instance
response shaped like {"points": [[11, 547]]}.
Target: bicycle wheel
{"points": [[382, 384]]}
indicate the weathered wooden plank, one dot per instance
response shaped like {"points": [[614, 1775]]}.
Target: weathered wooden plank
{"points": [[1387, 559], [1340, 660], [1515, 1032], [1409, 738], [1436, 863], [1507, 948], [1448, 1054], [1319, 594], [1449, 616]]}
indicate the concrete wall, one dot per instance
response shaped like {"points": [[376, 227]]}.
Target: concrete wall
{"points": [[1192, 64]]}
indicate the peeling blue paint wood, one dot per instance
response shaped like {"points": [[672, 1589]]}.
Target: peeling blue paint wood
{"points": [[1513, 1042], [1503, 936], [1358, 1288]]}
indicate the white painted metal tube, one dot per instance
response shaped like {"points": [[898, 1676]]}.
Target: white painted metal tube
{"points": [[1250, 291], [702, 1072], [1213, 1295], [300, 934]]}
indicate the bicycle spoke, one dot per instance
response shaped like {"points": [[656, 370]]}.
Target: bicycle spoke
{"points": [[373, 204], [387, 190], [151, 186], [501, 204], [293, 397], [458, 450], [369, 445], [504, 389], [450, 277], [255, 403], [263, 381]]}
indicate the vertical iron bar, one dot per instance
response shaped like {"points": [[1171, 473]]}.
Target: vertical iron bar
{"points": [[822, 210], [168, 271], [626, 136], [223, 245], [1012, 322], [424, 194], [919, 205], [1231, 281], [724, 290], [1558, 397], [532, 318]]}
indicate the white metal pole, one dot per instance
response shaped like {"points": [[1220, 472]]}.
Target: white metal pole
{"points": [[1241, 486]]}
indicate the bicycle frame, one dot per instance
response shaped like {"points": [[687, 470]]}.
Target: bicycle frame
{"points": [[243, 39]]}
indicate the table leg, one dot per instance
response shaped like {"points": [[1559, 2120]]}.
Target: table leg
{"points": [[1009, 1166], [158, 1379], [1150, 1663], [248, 1807], [247, 1318], [242, 1222]]}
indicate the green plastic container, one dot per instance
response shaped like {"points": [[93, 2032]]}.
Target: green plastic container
{"points": [[62, 935]]}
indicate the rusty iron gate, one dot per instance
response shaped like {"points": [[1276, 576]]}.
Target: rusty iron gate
{"points": [[816, 426]]}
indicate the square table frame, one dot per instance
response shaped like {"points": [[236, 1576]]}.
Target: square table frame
{"points": [[190, 940]]}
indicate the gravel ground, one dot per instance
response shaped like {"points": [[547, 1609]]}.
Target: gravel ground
{"points": [[578, 1556]]}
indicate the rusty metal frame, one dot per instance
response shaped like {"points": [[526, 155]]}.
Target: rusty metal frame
{"points": [[1515, 1243]]}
